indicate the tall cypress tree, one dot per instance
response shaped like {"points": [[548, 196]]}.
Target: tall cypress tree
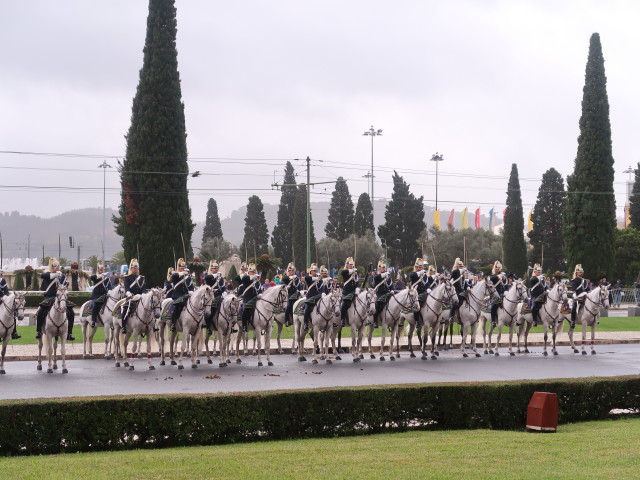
{"points": [[212, 227], [634, 201], [513, 244], [299, 238], [154, 210], [340, 222], [282, 235], [590, 215], [404, 222], [547, 222], [256, 233], [364, 215]]}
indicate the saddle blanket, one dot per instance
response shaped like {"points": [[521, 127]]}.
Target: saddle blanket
{"points": [[117, 309], [167, 311], [300, 308], [88, 309]]}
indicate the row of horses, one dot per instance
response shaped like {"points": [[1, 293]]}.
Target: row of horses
{"points": [[149, 320]]}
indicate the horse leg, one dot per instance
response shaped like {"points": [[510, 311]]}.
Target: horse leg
{"points": [[369, 335], [63, 353], [498, 337], [183, 347], [39, 367], [553, 338], [474, 331], [194, 347], [354, 342], [278, 337], [257, 338], [49, 353], [238, 340], [510, 339], [584, 337], [593, 336], [383, 338], [412, 327], [398, 333], [85, 339], [463, 342], [149, 354], [267, 342], [4, 351], [315, 355]]}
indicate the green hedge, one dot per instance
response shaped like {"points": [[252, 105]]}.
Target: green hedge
{"points": [[33, 299], [84, 424]]}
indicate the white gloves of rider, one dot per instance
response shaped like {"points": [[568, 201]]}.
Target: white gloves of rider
{"points": [[55, 275], [128, 294], [384, 274], [352, 271], [216, 275]]}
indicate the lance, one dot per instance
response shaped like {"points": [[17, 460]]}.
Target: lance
{"points": [[435, 263], [175, 262], [355, 248], [1, 251], [138, 251]]}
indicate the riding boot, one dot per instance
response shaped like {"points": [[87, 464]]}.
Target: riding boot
{"points": [[375, 320], [417, 317], [177, 310], [573, 318], [288, 315], [207, 323], [14, 334], [40, 317], [344, 308], [71, 319], [94, 314], [494, 317], [535, 315], [246, 315], [307, 316]]}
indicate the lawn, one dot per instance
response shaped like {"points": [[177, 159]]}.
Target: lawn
{"points": [[591, 450]]}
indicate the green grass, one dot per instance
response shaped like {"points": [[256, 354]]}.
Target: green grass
{"points": [[591, 450]]}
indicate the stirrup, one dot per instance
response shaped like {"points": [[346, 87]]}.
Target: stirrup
{"points": [[38, 335], [209, 332], [71, 338]]}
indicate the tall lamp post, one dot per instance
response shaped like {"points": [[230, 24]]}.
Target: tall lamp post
{"points": [[436, 157], [372, 132], [104, 167]]}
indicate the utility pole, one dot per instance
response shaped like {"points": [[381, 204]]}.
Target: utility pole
{"points": [[372, 133], [104, 165], [436, 157]]}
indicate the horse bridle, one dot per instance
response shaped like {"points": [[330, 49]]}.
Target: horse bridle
{"points": [[12, 312], [231, 315], [448, 287], [60, 309], [153, 295], [202, 308], [370, 299], [332, 305], [600, 303], [487, 287]]}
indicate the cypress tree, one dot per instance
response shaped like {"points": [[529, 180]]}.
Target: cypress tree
{"points": [[282, 235], [513, 244], [634, 201], [547, 222], [364, 215], [256, 233], [404, 222], [299, 230], [340, 222], [154, 210], [590, 216], [212, 227]]}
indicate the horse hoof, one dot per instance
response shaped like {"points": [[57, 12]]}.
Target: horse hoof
{"points": [[392, 358], [322, 357], [173, 362], [361, 357], [545, 354], [491, 351], [555, 353], [64, 370], [246, 354], [575, 350], [180, 367], [131, 368], [49, 370], [356, 360], [424, 357], [465, 355], [255, 354], [162, 362], [260, 364], [314, 361], [270, 364], [198, 362], [526, 350], [39, 367], [222, 365], [2, 372], [228, 360], [238, 360], [412, 355], [478, 355], [151, 367], [126, 364], [118, 364], [55, 367], [434, 357], [382, 359], [512, 354], [372, 356], [437, 354], [497, 354], [209, 361], [194, 365], [302, 359], [584, 353], [329, 362], [593, 352], [340, 358]]}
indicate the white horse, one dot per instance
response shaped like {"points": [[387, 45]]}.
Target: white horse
{"points": [[469, 313], [105, 317], [588, 316], [549, 316], [141, 320], [192, 319], [55, 327], [406, 300], [431, 311], [11, 307], [225, 323], [325, 320], [359, 315], [274, 298], [507, 316]]}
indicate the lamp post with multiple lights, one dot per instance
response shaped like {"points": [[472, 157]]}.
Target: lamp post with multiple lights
{"points": [[372, 132], [436, 157], [104, 167]]}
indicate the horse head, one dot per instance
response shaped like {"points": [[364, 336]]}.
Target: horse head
{"points": [[60, 303], [371, 301], [19, 300], [604, 297], [489, 290], [522, 294], [449, 295], [156, 302]]}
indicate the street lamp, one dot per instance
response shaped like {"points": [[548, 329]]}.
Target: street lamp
{"points": [[104, 167], [372, 132], [436, 157]]}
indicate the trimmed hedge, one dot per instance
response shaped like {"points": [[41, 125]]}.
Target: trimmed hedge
{"points": [[85, 424], [33, 299]]}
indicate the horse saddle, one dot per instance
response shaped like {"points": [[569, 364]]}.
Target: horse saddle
{"points": [[300, 308], [527, 307], [565, 309], [167, 311]]}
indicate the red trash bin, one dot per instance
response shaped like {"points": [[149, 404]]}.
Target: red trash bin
{"points": [[542, 412]]}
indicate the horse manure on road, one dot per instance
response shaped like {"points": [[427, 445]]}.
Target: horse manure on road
{"points": [[212, 377]]}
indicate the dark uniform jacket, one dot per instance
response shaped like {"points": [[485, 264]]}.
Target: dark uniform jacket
{"points": [[579, 285], [101, 286], [294, 285], [4, 288], [240, 281], [349, 282], [384, 285], [49, 285], [182, 285], [538, 286], [216, 282], [314, 288], [498, 283], [429, 282], [416, 279], [250, 290], [458, 281], [134, 284]]}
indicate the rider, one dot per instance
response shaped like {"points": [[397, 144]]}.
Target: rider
{"points": [[417, 278], [4, 290], [580, 288], [349, 284], [383, 288], [250, 291], [51, 280], [538, 289], [182, 285], [294, 285], [101, 286], [239, 278], [457, 279], [430, 279], [327, 282], [215, 280], [133, 287], [168, 286], [499, 281], [314, 292]]}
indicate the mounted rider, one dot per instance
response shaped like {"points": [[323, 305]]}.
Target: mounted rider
{"points": [[182, 285], [538, 292], [101, 287], [314, 292], [416, 278], [499, 281], [458, 282], [51, 280], [383, 288], [168, 286], [134, 286], [250, 291], [350, 280], [327, 282], [430, 278], [580, 288], [294, 285], [216, 281], [244, 268], [4, 290]]}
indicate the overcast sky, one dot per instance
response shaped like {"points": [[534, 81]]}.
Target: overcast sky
{"points": [[485, 83]]}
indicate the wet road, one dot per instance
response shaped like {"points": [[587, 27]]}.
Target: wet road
{"points": [[101, 378]]}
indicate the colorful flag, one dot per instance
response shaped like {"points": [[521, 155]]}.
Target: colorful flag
{"points": [[436, 219], [491, 219], [464, 218], [529, 222], [450, 222], [478, 218]]}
